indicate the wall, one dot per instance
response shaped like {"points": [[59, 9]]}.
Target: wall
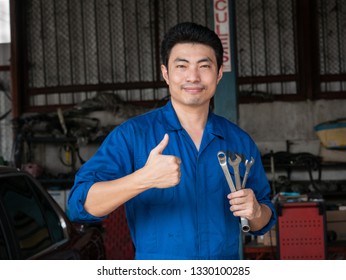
{"points": [[272, 124]]}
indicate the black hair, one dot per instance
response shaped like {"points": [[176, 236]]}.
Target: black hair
{"points": [[189, 32]]}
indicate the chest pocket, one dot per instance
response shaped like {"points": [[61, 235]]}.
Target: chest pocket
{"points": [[218, 179], [212, 179]]}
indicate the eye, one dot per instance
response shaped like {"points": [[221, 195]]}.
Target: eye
{"points": [[205, 66], [180, 66]]}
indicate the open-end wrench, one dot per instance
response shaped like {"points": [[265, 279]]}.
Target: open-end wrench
{"points": [[248, 164], [223, 163], [235, 164]]}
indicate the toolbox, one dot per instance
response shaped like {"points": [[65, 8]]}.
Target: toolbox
{"points": [[301, 233]]}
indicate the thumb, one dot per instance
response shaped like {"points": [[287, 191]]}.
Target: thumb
{"points": [[162, 145]]}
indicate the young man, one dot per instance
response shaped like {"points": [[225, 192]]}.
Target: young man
{"points": [[163, 165]]}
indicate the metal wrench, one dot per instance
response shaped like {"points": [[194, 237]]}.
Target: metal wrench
{"points": [[248, 165], [235, 164], [223, 163]]}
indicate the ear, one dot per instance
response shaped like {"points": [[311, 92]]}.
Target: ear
{"points": [[164, 72], [220, 74]]}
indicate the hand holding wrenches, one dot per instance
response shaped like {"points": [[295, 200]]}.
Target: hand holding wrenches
{"points": [[235, 165]]}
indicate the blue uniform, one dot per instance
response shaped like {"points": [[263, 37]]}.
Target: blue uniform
{"points": [[191, 220]]}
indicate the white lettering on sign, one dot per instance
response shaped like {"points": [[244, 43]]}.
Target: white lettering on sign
{"points": [[221, 23]]}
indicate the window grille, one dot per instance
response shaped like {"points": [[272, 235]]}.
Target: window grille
{"points": [[76, 48], [332, 44], [5, 116], [266, 48]]}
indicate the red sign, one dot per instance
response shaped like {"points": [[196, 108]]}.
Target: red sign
{"points": [[221, 23]]}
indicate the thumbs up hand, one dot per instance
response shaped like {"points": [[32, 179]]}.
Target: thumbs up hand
{"points": [[162, 171]]}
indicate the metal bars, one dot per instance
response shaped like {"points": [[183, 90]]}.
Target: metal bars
{"points": [[332, 44], [5, 116], [266, 47], [77, 48]]}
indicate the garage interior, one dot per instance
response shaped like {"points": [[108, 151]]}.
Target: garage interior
{"points": [[75, 69]]}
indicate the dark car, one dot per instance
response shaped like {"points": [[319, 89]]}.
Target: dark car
{"points": [[33, 225]]}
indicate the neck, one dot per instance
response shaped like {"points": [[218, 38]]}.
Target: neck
{"points": [[193, 120]]}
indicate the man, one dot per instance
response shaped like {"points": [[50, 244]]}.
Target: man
{"points": [[163, 165]]}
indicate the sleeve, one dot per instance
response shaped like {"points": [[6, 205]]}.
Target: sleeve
{"points": [[111, 161]]}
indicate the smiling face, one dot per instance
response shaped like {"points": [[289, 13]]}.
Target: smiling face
{"points": [[192, 74]]}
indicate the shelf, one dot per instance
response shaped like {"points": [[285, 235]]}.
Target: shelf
{"points": [[59, 140], [283, 160], [51, 140]]}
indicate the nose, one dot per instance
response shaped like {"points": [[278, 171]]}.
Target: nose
{"points": [[192, 75]]}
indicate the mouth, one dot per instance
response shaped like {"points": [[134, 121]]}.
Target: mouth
{"points": [[193, 89]]}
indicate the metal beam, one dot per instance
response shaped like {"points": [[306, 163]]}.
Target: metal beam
{"points": [[226, 97]]}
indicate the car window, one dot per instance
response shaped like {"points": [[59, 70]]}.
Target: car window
{"points": [[54, 226], [27, 216]]}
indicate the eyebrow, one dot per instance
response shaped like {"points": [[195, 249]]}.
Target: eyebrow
{"points": [[206, 59]]}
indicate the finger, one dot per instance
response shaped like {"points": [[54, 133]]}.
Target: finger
{"points": [[236, 194], [161, 146]]}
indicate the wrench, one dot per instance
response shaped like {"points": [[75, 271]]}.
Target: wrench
{"points": [[248, 165], [235, 164], [223, 163]]}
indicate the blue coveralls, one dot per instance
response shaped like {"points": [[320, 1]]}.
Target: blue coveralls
{"points": [[191, 220]]}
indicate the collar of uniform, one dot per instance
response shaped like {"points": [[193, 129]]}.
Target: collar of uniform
{"points": [[214, 125], [172, 121], [170, 117]]}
